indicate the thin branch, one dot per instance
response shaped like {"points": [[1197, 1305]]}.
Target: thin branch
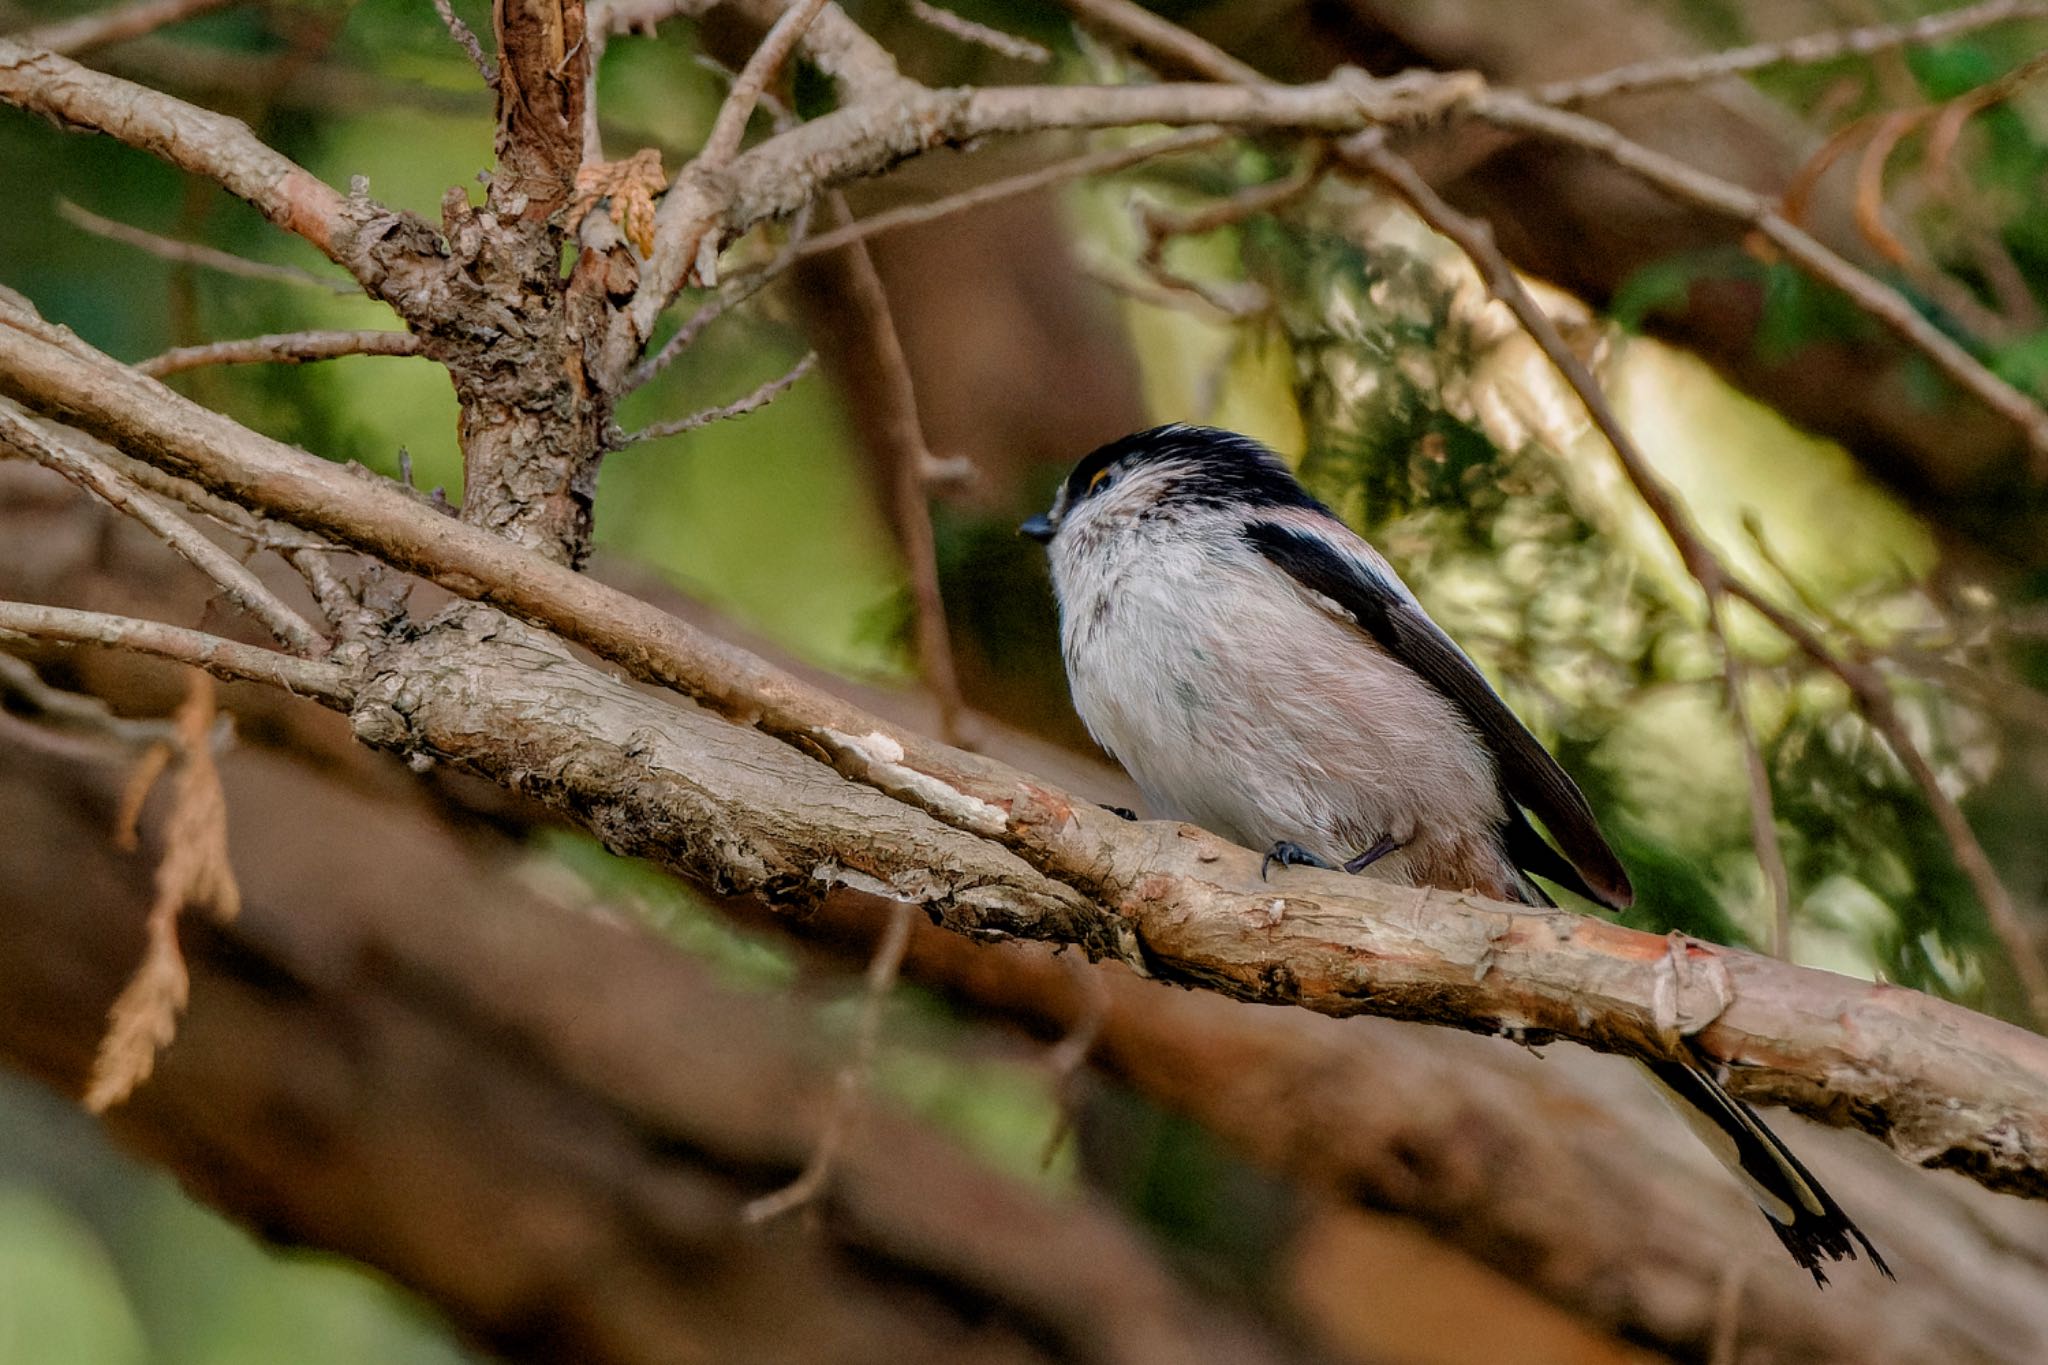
{"points": [[467, 41], [233, 578], [199, 141], [1763, 809], [1874, 697], [315, 678], [895, 433], [1159, 226], [730, 127], [1892, 309], [281, 348], [760, 397], [980, 35], [1162, 39], [116, 25], [1065, 1059], [195, 254], [75, 711], [802, 247], [852, 1080], [786, 170], [1009, 187], [1810, 50], [735, 293]]}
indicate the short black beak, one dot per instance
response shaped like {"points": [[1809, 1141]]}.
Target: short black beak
{"points": [[1039, 528]]}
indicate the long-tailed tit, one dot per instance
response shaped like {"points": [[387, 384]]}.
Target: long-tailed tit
{"points": [[1262, 672]]}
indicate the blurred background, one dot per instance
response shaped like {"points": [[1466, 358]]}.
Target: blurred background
{"points": [[1824, 461]]}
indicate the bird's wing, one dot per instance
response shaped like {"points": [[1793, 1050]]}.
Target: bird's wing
{"points": [[1321, 561]]}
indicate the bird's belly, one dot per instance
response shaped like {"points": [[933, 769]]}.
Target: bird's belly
{"points": [[1288, 726]]}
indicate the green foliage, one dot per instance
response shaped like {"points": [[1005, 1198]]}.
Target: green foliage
{"points": [[1417, 409]]}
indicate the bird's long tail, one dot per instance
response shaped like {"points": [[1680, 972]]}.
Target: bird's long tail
{"points": [[1806, 1218]]}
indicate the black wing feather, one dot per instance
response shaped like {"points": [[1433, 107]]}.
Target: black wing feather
{"points": [[1530, 775]]}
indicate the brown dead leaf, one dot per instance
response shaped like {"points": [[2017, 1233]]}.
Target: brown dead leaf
{"points": [[194, 872], [141, 782], [630, 185]]}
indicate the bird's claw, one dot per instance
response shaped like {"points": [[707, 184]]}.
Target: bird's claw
{"points": [[1290, 854], [1387, 844]]}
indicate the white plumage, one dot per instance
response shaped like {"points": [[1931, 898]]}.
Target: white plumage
{"points": [[1243, 702]]}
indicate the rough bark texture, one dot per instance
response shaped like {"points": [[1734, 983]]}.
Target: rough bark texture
{"points": [[1946, 1087], [1558, 1171]]}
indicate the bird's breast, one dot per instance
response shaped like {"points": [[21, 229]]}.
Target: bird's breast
{"points": [[1240, 704]]}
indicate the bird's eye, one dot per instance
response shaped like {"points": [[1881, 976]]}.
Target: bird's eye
{"points": [[1101, 477]]}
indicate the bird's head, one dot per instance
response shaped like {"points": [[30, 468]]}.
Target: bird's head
{"points": [[1163, 471]]}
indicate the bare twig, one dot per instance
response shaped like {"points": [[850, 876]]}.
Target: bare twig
{"points": [[761, 397], [730, 127], [802, 247], [1162, 39], [77, 711], [199, 141], [1805, 51], [1102, 162], [1160, 226], [1065, 1059], [852, 1079], [192, 253], [895, 432], [1763, 810], [240, 586], [281, 348], [1727, 1347], [981, 35], [1874, 697], [736, 292], [1891, 308], [467, 41], [313, 678], [116, 25]]}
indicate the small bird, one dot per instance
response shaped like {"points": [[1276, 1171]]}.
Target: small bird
{"points": [[1261, 671]]}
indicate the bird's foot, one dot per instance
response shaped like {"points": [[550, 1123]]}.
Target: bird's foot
{"points": [[1387, 844], [1289, 854], [1119, 812]]}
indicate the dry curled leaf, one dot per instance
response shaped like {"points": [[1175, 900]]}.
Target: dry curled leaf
{"points": [[135, 791], [195, 872], [630, 185]]}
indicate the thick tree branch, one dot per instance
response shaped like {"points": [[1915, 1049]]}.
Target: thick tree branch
{"points": [[1561, 1171], [995, 850]]}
